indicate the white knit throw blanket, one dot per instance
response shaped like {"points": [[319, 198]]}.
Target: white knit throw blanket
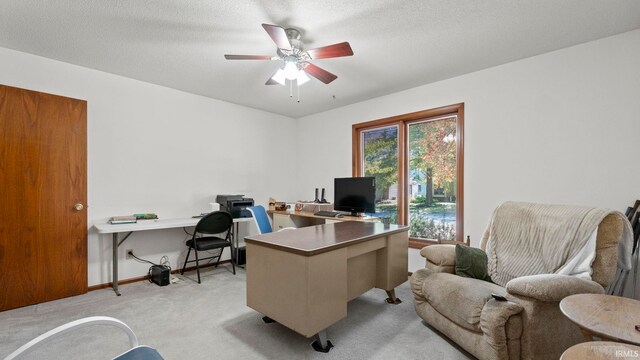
{"points": [[529, 239]]}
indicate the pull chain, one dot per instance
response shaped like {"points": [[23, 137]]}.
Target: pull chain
{"points": [[291, 88], [298, 88]]}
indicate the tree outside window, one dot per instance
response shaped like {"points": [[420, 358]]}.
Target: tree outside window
{"points": [[432, 179], [380, 160]]}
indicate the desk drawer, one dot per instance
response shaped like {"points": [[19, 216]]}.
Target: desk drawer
{"points": [[282, 221], [366, 247]]}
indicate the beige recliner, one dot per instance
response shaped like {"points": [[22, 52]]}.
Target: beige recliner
{"points": [[527, 326]]}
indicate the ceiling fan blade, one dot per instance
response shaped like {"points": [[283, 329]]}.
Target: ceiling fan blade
{"points": [[331, 51], [247, 57], [320, 74], [278, 35], [272, 81]]}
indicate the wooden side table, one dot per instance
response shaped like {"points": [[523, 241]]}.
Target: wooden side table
{"points": [[605, 316], [601, 350]]}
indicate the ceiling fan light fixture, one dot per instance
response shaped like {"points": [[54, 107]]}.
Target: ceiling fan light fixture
{"points": [[279, 77], [290, 70], [302, 77]]}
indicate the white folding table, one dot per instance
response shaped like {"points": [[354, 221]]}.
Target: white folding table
{"points": [[157, 224]]}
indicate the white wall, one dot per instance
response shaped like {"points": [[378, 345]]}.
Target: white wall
{"points": [[561, 127], [155, 149]]}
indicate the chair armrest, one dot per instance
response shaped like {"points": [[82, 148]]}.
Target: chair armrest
{"points": [[552, 287], [440, 258], [416, 280], [499, 322], [287, 228], [74, 325]]}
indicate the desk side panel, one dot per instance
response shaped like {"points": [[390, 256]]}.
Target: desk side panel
{"points": [[305, 294], [361, 274], [276, 284], [393, 261], [362, 264], [327, 290]]}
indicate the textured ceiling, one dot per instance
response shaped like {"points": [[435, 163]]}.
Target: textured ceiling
{"points": [[397, 44]]}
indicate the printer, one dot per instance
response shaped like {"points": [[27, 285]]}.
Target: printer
{"points": [[236, 205]]}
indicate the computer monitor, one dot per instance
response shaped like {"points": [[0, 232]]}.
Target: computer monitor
{"points": [[356, 195]]}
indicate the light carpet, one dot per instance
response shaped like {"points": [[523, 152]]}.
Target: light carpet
{"points": [[186, 320]]}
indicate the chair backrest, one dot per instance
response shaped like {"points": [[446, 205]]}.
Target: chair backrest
{"points": [[610, 231], [216, 222], [604, 265], [261, 218]]}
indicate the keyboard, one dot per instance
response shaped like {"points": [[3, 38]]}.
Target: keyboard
{"points": [[328, 214]]}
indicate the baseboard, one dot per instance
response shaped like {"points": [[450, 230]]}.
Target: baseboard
{"points": [[144, 278]]}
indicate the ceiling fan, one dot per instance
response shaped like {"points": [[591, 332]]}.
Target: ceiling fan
{"points": [[296, 58]]}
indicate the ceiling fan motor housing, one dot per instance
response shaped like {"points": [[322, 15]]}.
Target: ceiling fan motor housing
{"points": [[297, 52], [292, 33]]}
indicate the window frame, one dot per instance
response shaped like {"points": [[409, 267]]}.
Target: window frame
{"points": [[402, 122]]}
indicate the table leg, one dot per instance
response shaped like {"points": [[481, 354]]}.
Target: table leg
{"points": [[322, 344], [392, 299], [115, 264], [588, 336], [236, 240]]}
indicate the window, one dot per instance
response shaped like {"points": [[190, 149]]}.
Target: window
{"points": [[417, 160], [380, 160]]}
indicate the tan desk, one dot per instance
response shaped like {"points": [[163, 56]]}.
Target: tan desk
{"points": [[298, 219], [303, 278]]}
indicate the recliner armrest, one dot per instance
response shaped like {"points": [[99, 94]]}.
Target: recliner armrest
{"points": [[440, 258], [417, 280], [499, 321], [440, 254], [552, 287]]}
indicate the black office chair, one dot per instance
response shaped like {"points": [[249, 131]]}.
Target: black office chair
{"points": [[217, 222]]}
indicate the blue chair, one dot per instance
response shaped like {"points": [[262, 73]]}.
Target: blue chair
{"points": [[261, 218], [136, 352]]}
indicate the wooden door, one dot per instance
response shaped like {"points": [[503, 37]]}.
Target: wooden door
{"points": [[43, 175]]}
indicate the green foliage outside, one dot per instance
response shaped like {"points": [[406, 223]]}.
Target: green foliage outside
{"points": [[420, 200], [427, 227], [425, 221], [381, 159]]}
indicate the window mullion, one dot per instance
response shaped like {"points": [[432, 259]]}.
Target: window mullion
{"points": [[402, 175]]}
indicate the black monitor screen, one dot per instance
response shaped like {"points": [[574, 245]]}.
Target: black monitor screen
{"points": [[356, 195]]}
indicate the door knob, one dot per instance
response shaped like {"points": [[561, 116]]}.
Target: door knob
{"points": [[78, 206]]}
